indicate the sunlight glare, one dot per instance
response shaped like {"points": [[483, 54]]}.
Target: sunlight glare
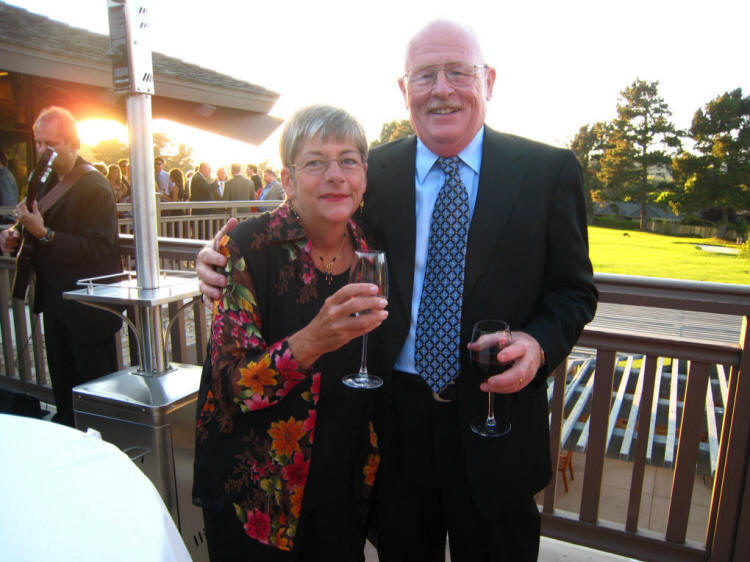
{"points": [[93, 131]]}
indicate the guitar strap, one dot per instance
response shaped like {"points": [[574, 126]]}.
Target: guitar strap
{"points": [[62, 187]]}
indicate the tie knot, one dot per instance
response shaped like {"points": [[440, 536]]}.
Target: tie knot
{"points": [[449, 165]]}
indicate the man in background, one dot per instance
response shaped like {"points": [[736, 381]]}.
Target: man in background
{"points": [[124, 166], [239, 188], [219, 184], [251, 171], [273, 190], [74, 238], [161, 176], [8, 186], [200, 186]]}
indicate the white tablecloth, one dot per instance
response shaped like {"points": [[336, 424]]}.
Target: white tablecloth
{"points": [[69, 496]]}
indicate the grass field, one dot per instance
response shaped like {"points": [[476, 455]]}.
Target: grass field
{"points": [[657, 255]]}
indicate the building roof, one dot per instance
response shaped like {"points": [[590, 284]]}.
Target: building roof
{"points": [[39, 46], [632, 210]]}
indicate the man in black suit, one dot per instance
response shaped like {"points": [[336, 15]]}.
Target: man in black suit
{"points": [[74, 238], [525, 261], [239, 188], [201, 187]]}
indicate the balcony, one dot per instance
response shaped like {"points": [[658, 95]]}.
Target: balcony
{"points": [[650, 410]]}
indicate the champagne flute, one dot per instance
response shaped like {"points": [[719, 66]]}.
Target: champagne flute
{"points": [[488, 338], [369, 267]]}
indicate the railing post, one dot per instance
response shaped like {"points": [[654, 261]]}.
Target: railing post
{"points": [[734, 480], [556, 416], [597, 442], [641, 444], [687, 452], [8, 354]]}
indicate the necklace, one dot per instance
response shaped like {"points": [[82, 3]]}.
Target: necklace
{"points": [[328, 265]]}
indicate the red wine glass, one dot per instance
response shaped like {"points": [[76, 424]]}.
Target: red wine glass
{"points": [[488, 338]]}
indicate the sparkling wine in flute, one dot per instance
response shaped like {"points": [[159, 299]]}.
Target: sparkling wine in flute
{"points": [[369, 267]]}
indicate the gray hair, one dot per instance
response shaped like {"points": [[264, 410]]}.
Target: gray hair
{"points": [[322, 121]]}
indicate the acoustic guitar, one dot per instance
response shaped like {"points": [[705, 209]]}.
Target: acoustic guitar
{"points": [[28, 242]]}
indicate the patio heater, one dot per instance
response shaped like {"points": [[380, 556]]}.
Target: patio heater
{"points": [[148, 410]]}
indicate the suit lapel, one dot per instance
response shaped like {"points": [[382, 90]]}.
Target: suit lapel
{"points": [[400, 235], [499, 184]]}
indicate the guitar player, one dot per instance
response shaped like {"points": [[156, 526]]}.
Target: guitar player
{"points": [[73, 237]]}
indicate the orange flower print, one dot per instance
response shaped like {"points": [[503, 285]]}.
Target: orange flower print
{"points": [[281, 542], [371, 469], [209, 405], [296, 501], [258, 375], [286, 436]]}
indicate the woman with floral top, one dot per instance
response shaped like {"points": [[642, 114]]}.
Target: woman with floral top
{"points": [[286, 455]]}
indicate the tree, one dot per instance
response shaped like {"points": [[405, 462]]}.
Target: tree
{"points": [[639, 141], [719, 175], [393, 130], [588, 145], [175, 156], [109, 151]]}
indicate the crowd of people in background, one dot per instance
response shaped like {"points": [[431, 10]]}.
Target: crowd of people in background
{"points": [[197, 184], [175, 185]]}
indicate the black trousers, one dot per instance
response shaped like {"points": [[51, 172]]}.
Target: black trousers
{"points": [[424, 492], [72, 362]]}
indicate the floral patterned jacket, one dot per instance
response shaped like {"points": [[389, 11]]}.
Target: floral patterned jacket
{"points": [[257, 408]]}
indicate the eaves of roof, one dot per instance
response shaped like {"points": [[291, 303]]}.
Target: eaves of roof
{"points": [[56, 50]]}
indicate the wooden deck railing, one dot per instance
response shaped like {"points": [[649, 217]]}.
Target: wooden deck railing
{"points": [[610, 387], [690, 419]]}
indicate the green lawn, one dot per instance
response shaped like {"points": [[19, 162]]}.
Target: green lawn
{"points": [[657, 255]]}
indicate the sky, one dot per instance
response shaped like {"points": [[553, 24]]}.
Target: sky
{"points": [[560, 65]]}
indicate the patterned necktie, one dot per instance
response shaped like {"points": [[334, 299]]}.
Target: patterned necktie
{"points": [[437, 347]]}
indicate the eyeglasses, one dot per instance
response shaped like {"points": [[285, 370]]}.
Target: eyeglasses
{"points": [[460, 74], [319, 166]]}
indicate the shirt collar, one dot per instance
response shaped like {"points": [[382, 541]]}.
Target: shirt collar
{"points": [[471, 156]]}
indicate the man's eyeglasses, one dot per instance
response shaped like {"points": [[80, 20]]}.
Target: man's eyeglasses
{"points": [[460, 74], [319, 166]]}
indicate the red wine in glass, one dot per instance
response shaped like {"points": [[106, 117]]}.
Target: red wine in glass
{"points": [[485, 362], [489, 337]]}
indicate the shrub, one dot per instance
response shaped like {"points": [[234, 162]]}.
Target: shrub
{"points": [[609, 221], [692, 220]]}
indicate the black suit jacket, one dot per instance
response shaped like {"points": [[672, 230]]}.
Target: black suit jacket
{"points": [[527, 263], [239, 188], [86, 244], [201, 190]]}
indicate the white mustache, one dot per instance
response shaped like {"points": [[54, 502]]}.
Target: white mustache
{"points": [[444, 106]]}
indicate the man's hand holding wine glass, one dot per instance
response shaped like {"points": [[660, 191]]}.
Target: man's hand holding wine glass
{"points": [[525, 354]]}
